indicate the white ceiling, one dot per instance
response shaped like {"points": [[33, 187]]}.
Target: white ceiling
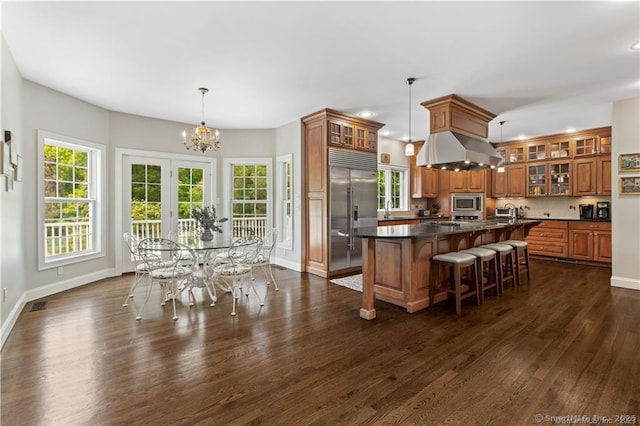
{"points": [[540, 66]]}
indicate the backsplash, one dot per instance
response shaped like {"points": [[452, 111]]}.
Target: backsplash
{"points": [[556, 207]]}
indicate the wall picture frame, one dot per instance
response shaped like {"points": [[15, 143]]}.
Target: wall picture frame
{"points": [[629, 162], [629, 185]]}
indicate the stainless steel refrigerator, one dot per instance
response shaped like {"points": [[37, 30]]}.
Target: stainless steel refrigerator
{"points": [[352, 203]]}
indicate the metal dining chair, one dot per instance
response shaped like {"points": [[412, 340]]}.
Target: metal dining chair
{"points": [[140, 268], [236, 267], [263, 257], [165, 267]]}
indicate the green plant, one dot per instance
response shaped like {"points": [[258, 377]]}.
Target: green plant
{"points": [[207, 218]]}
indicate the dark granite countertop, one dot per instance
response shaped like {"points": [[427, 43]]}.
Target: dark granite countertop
{"points": [[428, 230], [571, 220], [422, 218]]}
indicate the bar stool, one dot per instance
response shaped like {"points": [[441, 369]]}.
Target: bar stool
{"points": [[522, 252], [505, 262], [455, 261], [484, 255]]}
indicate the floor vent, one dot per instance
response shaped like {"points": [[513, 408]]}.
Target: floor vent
{"points": [[280, 268], [38, 306]]}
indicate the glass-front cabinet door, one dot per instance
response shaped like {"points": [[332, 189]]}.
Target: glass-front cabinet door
{"points": [[537, 152], [515, 154], [537, 180], [559, 149], [560, 179]]}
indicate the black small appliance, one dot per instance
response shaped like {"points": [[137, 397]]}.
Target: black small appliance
{"points": [[586, 211], [602, 210]]}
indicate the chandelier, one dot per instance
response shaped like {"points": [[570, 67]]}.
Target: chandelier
{"points": [[202, 137]]}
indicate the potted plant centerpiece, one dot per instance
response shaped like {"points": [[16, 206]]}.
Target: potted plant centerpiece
{"points": [[208, 220]]}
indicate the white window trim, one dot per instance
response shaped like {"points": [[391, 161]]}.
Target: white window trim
{"points": [[98, 179], [404, 186], [227, 190], [281, 161]]}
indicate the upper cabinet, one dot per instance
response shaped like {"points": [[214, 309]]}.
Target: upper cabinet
{"points": [[349, 132], [558, 165], [467, 181], [424, 180]]}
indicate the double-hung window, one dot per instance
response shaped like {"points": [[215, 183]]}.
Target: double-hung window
{"points": [[392, 188], [70, 200]]}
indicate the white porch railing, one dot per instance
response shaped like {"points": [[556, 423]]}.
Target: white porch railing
{"points": [[240, 226], [70, 237]]}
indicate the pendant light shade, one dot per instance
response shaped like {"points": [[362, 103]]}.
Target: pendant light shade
{"points": [[409, 149]]}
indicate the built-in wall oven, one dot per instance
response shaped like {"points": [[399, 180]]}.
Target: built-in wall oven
{"points": [[467, 206]]}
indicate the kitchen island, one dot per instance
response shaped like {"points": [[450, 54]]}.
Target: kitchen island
{"points": [[396, 260]]}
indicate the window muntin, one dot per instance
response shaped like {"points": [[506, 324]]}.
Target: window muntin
{"points": [[392, 185], [284, 209], [70, 200], [250, 201]]}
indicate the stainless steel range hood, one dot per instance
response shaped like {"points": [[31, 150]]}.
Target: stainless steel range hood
{"points": [[454, 150]]}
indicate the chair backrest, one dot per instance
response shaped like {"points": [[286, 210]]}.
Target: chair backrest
{"points": [[244, 249], [157, 251], [132, 244]]}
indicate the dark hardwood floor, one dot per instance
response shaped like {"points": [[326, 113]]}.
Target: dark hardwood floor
{"points": [[567, 344]]}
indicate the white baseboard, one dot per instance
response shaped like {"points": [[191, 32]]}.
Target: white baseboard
{"points": [[296, 266], [631, 284], [7, 326], [48, 290]]}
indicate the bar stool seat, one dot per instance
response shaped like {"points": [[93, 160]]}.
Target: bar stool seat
{"points": [[486, 255], [505, 262], [521, 258], [456, 261]]}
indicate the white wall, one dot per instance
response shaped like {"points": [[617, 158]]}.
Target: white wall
{"points": [[289, 141], [625, 138], [12, 242]]}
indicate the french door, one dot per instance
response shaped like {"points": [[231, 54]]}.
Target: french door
{"points": [[159, 194]]}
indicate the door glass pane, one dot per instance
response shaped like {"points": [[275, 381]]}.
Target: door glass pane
{"points": [[190, 195], [146, 206]]}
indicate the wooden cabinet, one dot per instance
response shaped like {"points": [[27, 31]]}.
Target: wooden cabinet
{"points": [[344, 133], [549, 178], [467, 181], [550, 238], [423, 180], [509, 183], [515, 182], [323, 129], [592, 176], [590, 241]]}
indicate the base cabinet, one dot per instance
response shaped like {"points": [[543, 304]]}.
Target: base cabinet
{"points": [[550, 238], [590, 241]]}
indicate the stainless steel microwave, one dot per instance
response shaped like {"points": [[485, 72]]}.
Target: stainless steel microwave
{"points": [[466, 203]]}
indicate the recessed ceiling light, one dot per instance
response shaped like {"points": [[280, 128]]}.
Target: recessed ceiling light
{"points": [[571, 129], [522, 137], [385, 133], [636, 46], [365, 114]]}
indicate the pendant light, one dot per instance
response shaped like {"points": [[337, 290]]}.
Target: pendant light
{"points": [[409, 149], [501, 168]]}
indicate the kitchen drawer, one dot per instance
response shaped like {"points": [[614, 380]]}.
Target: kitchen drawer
{"points": [[555, 224], [542, 248], [590, 226], [548, 234]]}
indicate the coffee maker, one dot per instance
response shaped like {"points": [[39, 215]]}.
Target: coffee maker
{"points": [[602, 210], [586, 211]]}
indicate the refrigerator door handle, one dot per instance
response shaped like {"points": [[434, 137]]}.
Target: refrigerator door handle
{"points": [[349, 221], [355, 213]]}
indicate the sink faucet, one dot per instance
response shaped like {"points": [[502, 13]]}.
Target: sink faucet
{"points": [[386, 210]]}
